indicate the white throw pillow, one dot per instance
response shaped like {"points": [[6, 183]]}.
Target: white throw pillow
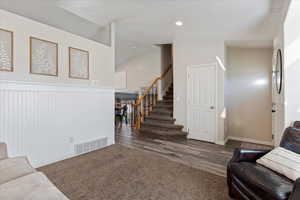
{"points": [[282, 161]]}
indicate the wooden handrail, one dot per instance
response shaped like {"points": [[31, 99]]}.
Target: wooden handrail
{"points": [[139, 101], [147, 101]]}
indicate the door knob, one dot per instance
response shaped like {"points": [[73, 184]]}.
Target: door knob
{"points": [[212, 107]]}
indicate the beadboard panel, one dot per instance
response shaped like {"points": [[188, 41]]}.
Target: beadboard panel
{"points": [[44, 122]]}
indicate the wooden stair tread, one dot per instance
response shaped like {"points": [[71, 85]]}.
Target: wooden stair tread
{"points": [[162, 111], [160, 118], [163, 125], [160, 105], [162, 132], [166, 102]]}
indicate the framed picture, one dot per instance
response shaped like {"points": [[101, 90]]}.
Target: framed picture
{"points": [[6, 50], [78, 63], [43, 57]]}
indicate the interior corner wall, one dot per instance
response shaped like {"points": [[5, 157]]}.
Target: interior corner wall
{"points": [[248, 95], [142, 70], [226, 133], [190, 53]]}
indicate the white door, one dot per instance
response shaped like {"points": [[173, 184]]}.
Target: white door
{"points": [[201, 102]]}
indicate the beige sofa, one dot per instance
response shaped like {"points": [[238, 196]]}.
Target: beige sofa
{"points": [[20, 181]]}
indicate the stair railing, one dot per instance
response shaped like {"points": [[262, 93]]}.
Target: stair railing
{"points": [[146, 101]]}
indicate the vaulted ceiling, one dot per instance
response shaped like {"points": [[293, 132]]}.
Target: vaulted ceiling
{"points": [[143, 23]]}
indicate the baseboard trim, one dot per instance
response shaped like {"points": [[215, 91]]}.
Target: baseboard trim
{"points": [[241, 139], [220, 143]]}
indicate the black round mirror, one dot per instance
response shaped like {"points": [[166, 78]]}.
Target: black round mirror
{"points": [[278, 71]]}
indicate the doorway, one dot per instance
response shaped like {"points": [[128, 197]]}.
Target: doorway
{"points": [[249, 94], [201, 102]]}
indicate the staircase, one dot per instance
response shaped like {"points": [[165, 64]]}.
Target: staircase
{"points": [[160, 123]]}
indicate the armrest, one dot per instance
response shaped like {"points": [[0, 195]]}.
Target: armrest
{"points": [[3, 151], [295, 195], [247, 155]]}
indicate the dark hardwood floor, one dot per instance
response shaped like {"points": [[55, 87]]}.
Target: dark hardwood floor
{"points": [[200, 155]]}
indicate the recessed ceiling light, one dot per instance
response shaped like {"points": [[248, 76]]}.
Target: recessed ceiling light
{"points": [[179, 23]]}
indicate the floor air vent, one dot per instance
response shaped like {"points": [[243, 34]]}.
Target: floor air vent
{"points": [[90, 146]]}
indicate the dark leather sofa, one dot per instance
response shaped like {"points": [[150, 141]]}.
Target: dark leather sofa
{"points": [[250, 181]]}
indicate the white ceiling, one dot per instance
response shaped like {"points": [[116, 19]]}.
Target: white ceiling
{"points": [[143, 23]]}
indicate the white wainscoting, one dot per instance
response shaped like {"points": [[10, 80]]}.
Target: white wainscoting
{"points": [[44, 122]]}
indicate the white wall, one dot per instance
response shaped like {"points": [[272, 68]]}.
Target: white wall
{"points": [[141, 71], [278, 121], [188, 53], [42, 117], [292, 63], [278, 118], [101, 56], [248, 95], [221, 111], [120, 79]]}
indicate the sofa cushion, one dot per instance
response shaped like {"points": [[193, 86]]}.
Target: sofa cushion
{"points": [[13, 168], [34, 186], [263, 181], [291, 139]]}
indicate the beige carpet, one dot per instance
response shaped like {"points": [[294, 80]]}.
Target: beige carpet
{"points": [[120, 173]]}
